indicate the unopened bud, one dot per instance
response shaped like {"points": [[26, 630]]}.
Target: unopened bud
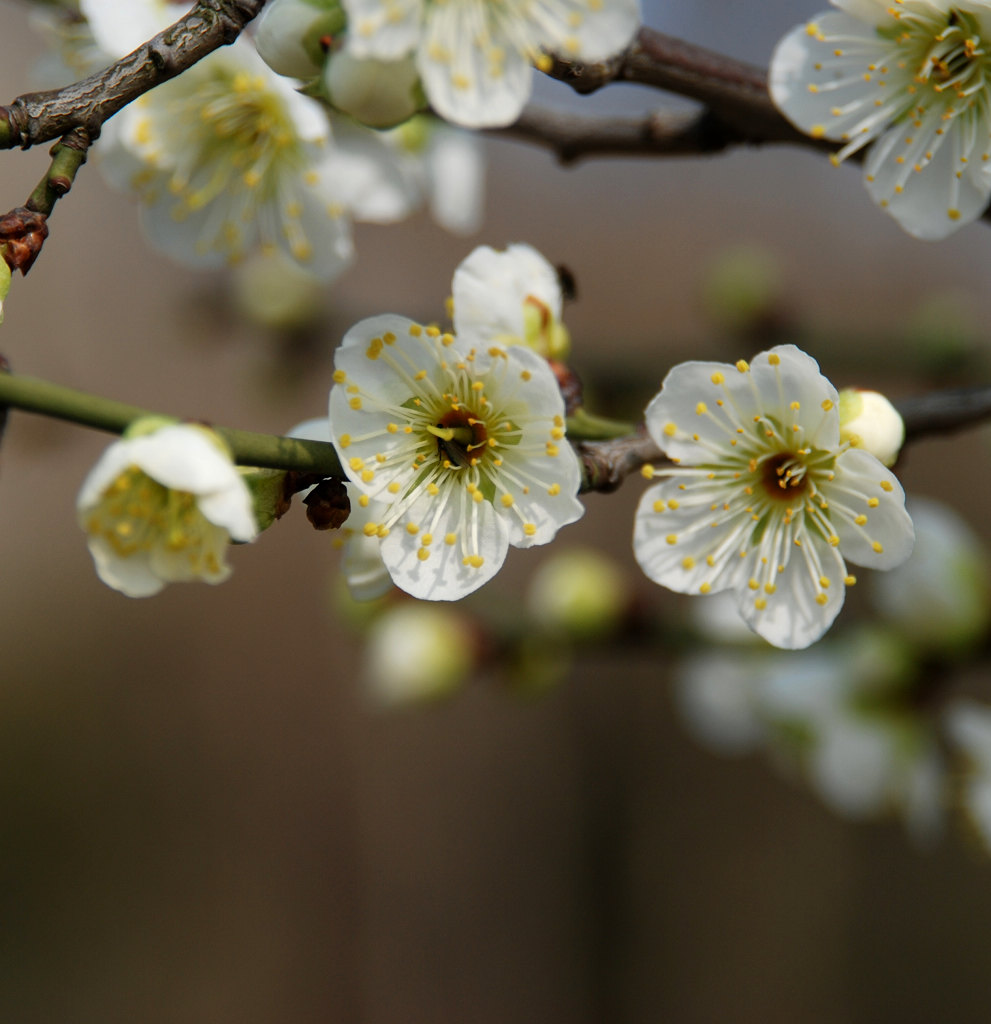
{"points": [[378, 93], [289, 34], [869, 421], [580, 592]]}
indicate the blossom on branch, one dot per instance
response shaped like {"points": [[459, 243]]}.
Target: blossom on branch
{"points": [[474, 56], [513, 296], [763, 498], [911, 77], [461, 440], [161, 505]]}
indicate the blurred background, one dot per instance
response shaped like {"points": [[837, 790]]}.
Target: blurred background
{"points": [[205, 817]]}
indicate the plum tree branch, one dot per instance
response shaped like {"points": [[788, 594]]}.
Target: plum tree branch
{"points": [[39, 117]]}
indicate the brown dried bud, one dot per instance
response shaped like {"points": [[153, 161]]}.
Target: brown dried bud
{"points": [[22, 234], [328, 505], [570, 384]]}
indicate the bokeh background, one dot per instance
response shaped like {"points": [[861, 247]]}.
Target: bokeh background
{"points": [[203, 816]]}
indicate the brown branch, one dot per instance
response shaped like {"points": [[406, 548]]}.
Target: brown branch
{"points": [[42, 116], [606, 464]]}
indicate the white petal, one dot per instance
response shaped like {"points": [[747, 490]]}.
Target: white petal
{"points": [[828, 95], [491, 287], [585, 33], [886, 538], [874, 12], [132, 576], [456, 180], [386, 29], [791, 617], [368, 177], [183, 459], [460, 529], [464, 79], [120, 26], [946, 193]]}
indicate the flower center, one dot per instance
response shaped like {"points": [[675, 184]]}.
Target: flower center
{"points": [[461, 438], [783, 476], [946, 49]]}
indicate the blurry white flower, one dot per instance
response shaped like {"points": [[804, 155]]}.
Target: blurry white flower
{"points": [[383, 177], [225, 158], [365, 574], [417, 652], [911, 77], [161, 507], [462, 440], [513, 296], [579, 591], [940, 598], [764, 499], [474, 56], [869, 421], [969, 727]]}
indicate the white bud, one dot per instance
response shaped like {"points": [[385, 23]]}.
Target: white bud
{"points": [[287, 35], [417, 652], [579, 591], [378, 93], [869, 421]]}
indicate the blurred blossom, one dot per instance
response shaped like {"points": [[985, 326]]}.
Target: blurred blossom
{"points": [[969, 728], [364, 572], [578, 591], [742, 287], [275, 292], [161, 506], [763, 499], [835, 713], [382, 177], [514, 297], [940, 599], [717, 695], [474, 56], [716, 617], [869, 421], [860, 74], [417, 652]]}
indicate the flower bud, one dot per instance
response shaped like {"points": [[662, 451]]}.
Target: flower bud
{"points": [[869, 421], [378, 93], [288, 34], [418, 652], [580, 592]]}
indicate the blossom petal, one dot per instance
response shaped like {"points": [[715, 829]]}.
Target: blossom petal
{"points": [[798, 610], [491, 287], [584, 31], [468, 544], [878, 536], [386, 29], [474, 75]]}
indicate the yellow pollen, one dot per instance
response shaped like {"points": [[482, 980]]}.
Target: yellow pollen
{"points": [[753, 584], [393, 488], [849, 580], [423, 554], [878, 547], [688, 562], [670, 430], [415, 330], [873, 502], [717, 378], [474, 561], [705, 588], [769, 588], [827, 404], [760, 604], [412, 529], [774, 359], [701, 408], [525, 375], [647, 472], [529, 529], [340, 376], [886, 486], [742, 365], [861, 520], [344, 440], [660, 506], [450, 539], [554, 489], [821, 599], [364, 499], [370, 529], [672, 538]]}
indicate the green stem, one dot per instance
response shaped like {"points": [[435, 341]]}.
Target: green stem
{"points": [[267, 451], [585, 426]]}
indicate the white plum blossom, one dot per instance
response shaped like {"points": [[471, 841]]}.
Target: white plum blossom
{"points": [[763, 498], [474, 56], [461, 440], [227, 158], [161, 507], [364, 572], [910, 78], [513, 296]]}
